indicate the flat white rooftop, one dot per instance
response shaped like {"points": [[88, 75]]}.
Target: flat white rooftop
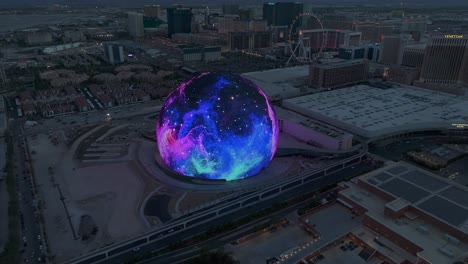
{"points": [[373, 112], [280, 83]]}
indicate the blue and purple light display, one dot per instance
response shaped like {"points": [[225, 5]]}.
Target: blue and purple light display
{"points": [[217, 126]]}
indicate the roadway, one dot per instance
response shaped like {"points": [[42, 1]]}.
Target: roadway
{"points": [[220, 240], [117, 114], [31, 238], [153, 246], [3, 198]]}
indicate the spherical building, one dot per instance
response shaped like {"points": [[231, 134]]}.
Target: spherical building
{"points": [[217, 126]]}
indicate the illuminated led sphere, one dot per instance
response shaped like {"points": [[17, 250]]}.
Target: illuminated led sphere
{"points": [[217, 126]]}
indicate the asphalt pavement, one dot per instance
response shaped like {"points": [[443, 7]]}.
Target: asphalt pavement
{"points": [[3, 199], [116, 114], [31, 235]]}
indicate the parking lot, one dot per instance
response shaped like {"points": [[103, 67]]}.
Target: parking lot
{"points": [[271, 244], [292, 244], [455, 170]]}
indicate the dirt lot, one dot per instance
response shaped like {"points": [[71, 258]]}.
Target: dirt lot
{"points": [[109, 193]]}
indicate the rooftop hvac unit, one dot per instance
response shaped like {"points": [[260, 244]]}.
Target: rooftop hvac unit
{"points": [[423, 229], [366, 193], [452, 240], [446, 252], [356, 197]]}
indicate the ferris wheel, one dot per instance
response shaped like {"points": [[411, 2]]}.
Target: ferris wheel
{"points": [[300, 42]]}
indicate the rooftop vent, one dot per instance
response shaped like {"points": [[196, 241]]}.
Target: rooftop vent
{"points": [[452, 240], [423, 229], [446, 252], [356, 197]]}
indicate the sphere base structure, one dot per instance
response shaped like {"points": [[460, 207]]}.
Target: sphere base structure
{"points": [[149, 161], [180, 177]]}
